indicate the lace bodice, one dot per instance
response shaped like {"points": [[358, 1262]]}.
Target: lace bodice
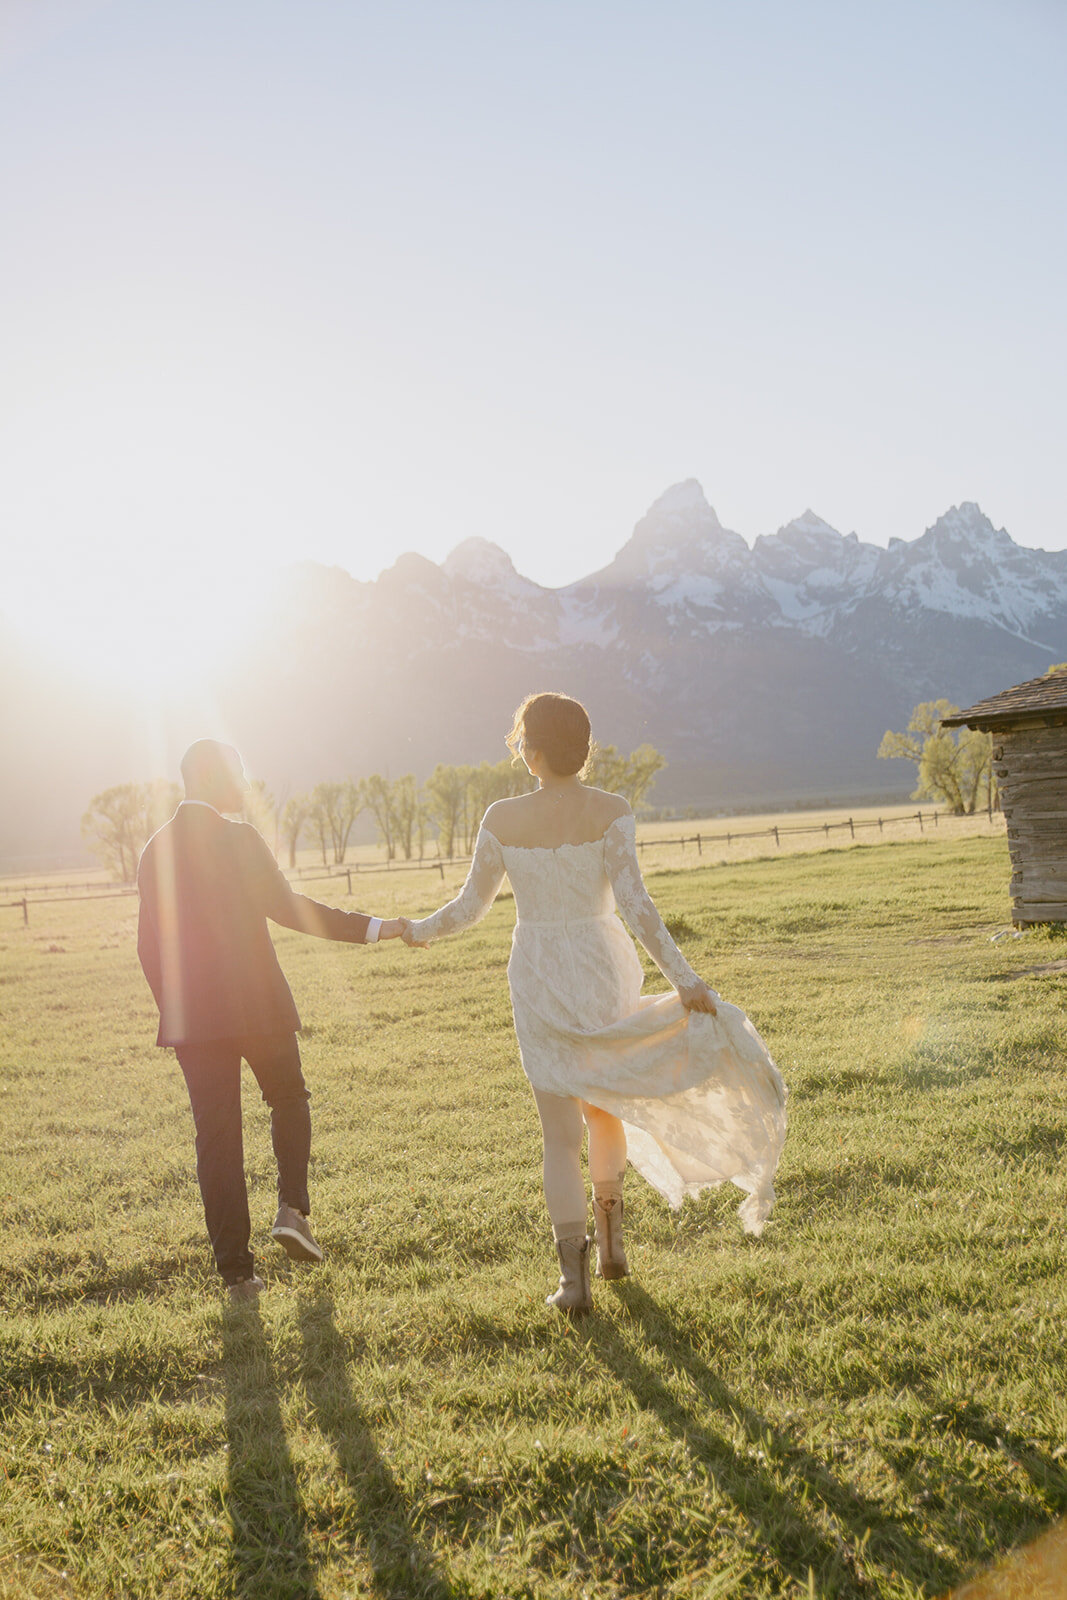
{"points": [[571, 883]]}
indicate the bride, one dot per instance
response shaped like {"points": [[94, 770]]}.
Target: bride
{"points": [[682, 1083]]}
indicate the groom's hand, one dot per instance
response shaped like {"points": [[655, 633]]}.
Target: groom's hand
{"points": [[408, 935]]}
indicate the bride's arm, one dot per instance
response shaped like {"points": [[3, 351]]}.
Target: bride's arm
{"points": [[474, 899], [644, 921]]}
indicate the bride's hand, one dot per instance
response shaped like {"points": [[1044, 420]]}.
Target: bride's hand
{"points": [[408, 937], [390, 929], [698, 997]]}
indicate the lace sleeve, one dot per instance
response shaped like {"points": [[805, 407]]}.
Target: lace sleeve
{"points": [[476, 896], [635, 903]]}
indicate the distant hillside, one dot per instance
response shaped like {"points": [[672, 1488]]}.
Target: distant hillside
{"points": [[765, 674]]}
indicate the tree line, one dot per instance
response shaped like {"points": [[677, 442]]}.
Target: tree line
{"points": [[445, 812]]}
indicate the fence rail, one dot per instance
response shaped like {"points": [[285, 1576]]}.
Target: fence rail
{"points": [[45, 894]]}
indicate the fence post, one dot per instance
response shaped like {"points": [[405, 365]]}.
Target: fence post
{"points": [[441, 870], [25, 912], [851, 827], [879, 824], [699, 850], [777, 841], [348, 875], [826, 829], [920, 817], [935, 819]]}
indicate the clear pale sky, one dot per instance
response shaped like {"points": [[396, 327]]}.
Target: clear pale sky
{"points": [[343, 279]]}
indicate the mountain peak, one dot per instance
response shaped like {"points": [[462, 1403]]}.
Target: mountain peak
{"points": [[809, 523], [678, 527], [966, 523], [811, 566], [681, 500], [481, 561]]}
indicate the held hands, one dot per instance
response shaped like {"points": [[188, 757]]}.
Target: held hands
{"points": [[408, 936], [698, 997], [399, 928]]}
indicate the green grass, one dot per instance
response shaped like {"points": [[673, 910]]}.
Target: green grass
{"points": [[869, 1401]]}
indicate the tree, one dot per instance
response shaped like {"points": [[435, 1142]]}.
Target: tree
{"points": [[120, 821], [378, 797], [642, 766], [631, 776], [319, 822], [406, 811], [445, 789], [350, 802], [956, 768], [333, 810], [291, 821]]}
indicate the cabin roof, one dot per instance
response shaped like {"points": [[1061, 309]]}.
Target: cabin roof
{"points": [[1035, 698]]}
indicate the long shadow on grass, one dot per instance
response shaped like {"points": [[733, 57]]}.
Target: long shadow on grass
{"points": [[269, 1557], [862, 1530], [401, 1565]]}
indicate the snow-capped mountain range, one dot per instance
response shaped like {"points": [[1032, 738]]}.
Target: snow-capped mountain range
{"points": [[763, 671], [694, 574], [766, 673], [682, 572]]}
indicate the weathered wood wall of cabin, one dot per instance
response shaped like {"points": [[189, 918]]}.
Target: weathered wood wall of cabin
{"points": [[1030, 764]]}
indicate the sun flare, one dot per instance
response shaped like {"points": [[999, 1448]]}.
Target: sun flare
{"points": [[156, 631]]}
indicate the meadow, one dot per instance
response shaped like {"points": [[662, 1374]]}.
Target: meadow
{"points": [[868, 1401]]}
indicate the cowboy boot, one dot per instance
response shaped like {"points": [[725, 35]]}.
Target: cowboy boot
{"points": [[607, 1215], [574, 1296]]}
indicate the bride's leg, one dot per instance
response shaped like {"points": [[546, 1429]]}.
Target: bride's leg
{"points": [[607, 1146], [607, 1166], [565, 1197], [561, 1125]]}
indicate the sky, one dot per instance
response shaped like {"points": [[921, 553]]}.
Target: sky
{"points": [[343, 280]]}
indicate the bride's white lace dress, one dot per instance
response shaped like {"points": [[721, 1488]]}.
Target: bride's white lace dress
{"points": [[700, 1096]]}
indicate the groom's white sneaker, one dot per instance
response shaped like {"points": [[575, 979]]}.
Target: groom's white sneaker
{"points": [[293, 1232]]}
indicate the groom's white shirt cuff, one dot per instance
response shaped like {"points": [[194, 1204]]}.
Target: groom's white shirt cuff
{"points": [[373, 929]]}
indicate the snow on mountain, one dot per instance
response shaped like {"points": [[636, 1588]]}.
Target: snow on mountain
{"points": [[809, 569], [680, 562], [964, 567]]}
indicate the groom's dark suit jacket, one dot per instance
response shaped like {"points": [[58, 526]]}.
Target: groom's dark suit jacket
{"points": [[207, 887]]}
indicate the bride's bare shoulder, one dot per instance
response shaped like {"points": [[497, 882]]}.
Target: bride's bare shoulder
{"points": [[503, 815], [609, 806]]}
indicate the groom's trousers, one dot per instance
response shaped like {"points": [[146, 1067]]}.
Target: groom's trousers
{"points": [[213, 1076]]}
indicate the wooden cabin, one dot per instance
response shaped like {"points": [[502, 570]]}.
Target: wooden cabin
{"points": [[1029, 728]]}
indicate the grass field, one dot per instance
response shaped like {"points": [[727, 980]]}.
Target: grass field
{"points": [[868, 1401]]}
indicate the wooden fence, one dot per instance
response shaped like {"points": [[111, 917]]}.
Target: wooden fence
{"points": [[55, 894]]}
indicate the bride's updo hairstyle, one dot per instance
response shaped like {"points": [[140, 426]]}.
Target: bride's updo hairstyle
{"points": [[557, 726]]}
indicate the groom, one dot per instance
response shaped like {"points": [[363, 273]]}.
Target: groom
{"points": [[208, 886]]}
